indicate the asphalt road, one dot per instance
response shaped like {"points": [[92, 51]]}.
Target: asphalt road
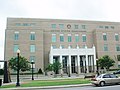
{"points": [[113, 87]]}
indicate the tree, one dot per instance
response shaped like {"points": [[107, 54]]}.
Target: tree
{"points": [[54, 67], [105, 62], [24, 65]]}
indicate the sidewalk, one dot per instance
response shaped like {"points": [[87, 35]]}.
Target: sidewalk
{"points": [[24, 78]]}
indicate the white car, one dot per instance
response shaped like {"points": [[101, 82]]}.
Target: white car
{"points": [[104, 79]]}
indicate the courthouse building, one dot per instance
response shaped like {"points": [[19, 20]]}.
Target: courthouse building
{"points": [[76, 44]]}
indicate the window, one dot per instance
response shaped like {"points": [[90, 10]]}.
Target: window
{"points": [[106, 27], [61, 38], [83, 27], [32, 35], [100, 26], [54, 46], [116, 37], [16, 46], [117, 47], [32, 48], [18, 24], [53, 37], [83, 46], [118, 57], [84, 38], [62, 46], [104, 37], [112, 27], [106, 76], [53, 25], [61, 26], [32, 58], [112, 76], [16, 35], [105, 47], [76, 38], [69, 38], [76, 26]]}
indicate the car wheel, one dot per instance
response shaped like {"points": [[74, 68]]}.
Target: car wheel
{"points": [[102, 83]]}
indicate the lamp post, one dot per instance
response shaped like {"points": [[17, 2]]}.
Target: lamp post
{"points": [[18, 67], [32, 62]]}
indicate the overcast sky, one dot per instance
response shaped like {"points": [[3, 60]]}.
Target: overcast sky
{"points": [[100, 10]]}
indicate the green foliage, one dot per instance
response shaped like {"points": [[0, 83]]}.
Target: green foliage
{"points": [[40, 71], [54, 67], [1, 71], [105, 62], [24, 65]]}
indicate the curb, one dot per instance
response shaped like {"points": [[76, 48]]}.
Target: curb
{"points": [[46, 87]]}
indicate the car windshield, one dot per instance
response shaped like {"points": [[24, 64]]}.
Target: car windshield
{"points": [[99, 76]]}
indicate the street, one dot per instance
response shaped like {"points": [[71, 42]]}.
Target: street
{"points": [[113, 87]]}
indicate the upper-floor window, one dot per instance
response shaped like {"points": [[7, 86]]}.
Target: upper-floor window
{"points": [[76, 26], [53, 37], [112, 27], [54, 46], [16, 46], [61, 38], [76, 38], [53, 25], [32, 35], [32, 48], [106, 27], [16, 35], [84, 38], [61, 26], [62, 46], [118, 57], [18, 24], [69, 38], [83, 46], [83, 26], [32, 58], [104, 36], [105, 47], [117, 47], [116, 37], [100, 26]]}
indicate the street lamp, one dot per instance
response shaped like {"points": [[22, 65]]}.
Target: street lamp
{"points": [[18, 67], [32, 62]]}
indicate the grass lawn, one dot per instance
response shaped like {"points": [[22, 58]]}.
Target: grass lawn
{"points": [[38, 83]]}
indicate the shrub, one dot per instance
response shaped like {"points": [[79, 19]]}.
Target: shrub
{"points": [[40, 71]]}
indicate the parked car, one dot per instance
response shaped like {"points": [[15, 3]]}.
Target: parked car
{"points": [[117, 72], [104, 79]]}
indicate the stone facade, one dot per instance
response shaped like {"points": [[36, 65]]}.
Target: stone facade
{"points": [[83, 33]]}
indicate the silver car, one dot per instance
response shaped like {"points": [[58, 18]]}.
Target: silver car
{"points": [[104, 79]]}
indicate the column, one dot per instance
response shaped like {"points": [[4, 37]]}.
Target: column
{"points": [[61, 70], [78, 63], [92, 68], [83, 59], [94, 55], [51, 59], [69, 64], [95, 68], [87, 67]]}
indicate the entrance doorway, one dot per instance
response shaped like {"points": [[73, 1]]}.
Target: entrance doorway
{"points": [[73, 64], [64, 62]]}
